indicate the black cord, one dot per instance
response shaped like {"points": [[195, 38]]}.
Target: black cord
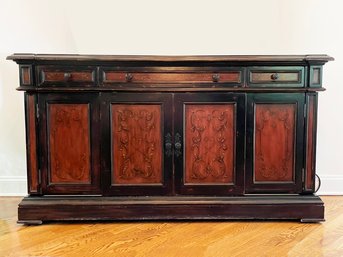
{"points": [[319, 183]]}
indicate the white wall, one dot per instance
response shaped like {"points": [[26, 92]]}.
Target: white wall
{"points": [[171, 27]]}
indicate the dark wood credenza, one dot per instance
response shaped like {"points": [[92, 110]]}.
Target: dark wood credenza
{"points": [[170, 137]]}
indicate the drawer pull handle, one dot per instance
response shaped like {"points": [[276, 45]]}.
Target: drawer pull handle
{"points": [[274, 76], [178, 145], [67, 76], [168, 145], [215, 77], [128, 77]]}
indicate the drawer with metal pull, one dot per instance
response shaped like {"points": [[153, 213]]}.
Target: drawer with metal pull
{"points": [[276, 76], [173, 77], [66, 77]]}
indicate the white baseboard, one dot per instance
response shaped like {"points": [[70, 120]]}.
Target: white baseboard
{"points": [[13, 186], [17, 185], [331, 185]]}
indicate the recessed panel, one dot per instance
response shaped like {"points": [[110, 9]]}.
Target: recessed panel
{"points": [[25, 75], [316, 76], [209, 143], [69, 143], [274, 142], [310, 144], [32, 144], [136, 144]]}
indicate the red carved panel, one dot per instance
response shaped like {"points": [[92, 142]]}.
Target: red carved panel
{"points": [[309, 147], [210, 143], [69, 143], [114, 76], [274, 142], [136, 144], [32, 145]]}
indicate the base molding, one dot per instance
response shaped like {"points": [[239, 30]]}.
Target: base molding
{"points": [[304, 208], [13, 185]]}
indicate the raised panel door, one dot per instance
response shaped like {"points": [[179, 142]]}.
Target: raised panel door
{"points": [[134, 134], [211, 129], [274, 142], [69, 128]]}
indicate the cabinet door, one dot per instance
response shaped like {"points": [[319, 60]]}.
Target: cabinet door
{"points": [[69, 132], [209, 143], [275, 127], [135, 130]]}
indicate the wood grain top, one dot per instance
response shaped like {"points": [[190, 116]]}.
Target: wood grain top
{"points": [[171, 58]]}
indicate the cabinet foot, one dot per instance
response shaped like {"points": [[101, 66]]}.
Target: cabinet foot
{"points": [[309, 220], [30, 222]]}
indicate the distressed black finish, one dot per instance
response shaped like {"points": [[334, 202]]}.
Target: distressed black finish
{"points": [[250, 80], [275, 187], [165, 100], [44, 162], [35, 210]]}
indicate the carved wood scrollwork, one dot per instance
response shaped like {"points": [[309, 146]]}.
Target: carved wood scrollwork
{"points": [[274, 142], [137, 143], [69, 143], [210, 143]]}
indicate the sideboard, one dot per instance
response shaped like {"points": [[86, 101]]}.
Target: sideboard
{"points": [[120, 137]]}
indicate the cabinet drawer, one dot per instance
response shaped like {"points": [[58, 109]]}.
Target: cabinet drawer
{"points": [[109, 77], [66, 76], [276, 76]]}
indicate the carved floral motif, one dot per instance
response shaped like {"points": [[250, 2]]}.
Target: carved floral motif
{"points": [[211, 148], [137, 141]]}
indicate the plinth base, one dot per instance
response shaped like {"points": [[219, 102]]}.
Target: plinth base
{"points": [[304, 208]]}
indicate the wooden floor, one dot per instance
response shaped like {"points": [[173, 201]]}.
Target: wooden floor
{"points": [[180, 239]]}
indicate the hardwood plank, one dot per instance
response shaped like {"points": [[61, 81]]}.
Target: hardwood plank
{"points": [[173, 238]]}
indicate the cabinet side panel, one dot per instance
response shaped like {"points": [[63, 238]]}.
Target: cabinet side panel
{"points": [[33, 176], [274, 142], [69, 143], [210, 143], [136, 144], [310, 165]]}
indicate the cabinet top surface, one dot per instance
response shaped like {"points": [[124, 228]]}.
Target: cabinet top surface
{"points": [[171, 58]]}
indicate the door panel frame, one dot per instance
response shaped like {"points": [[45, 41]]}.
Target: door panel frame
{"points": [[272, 186], [107, 99], [235, 188], [69, 188]]}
